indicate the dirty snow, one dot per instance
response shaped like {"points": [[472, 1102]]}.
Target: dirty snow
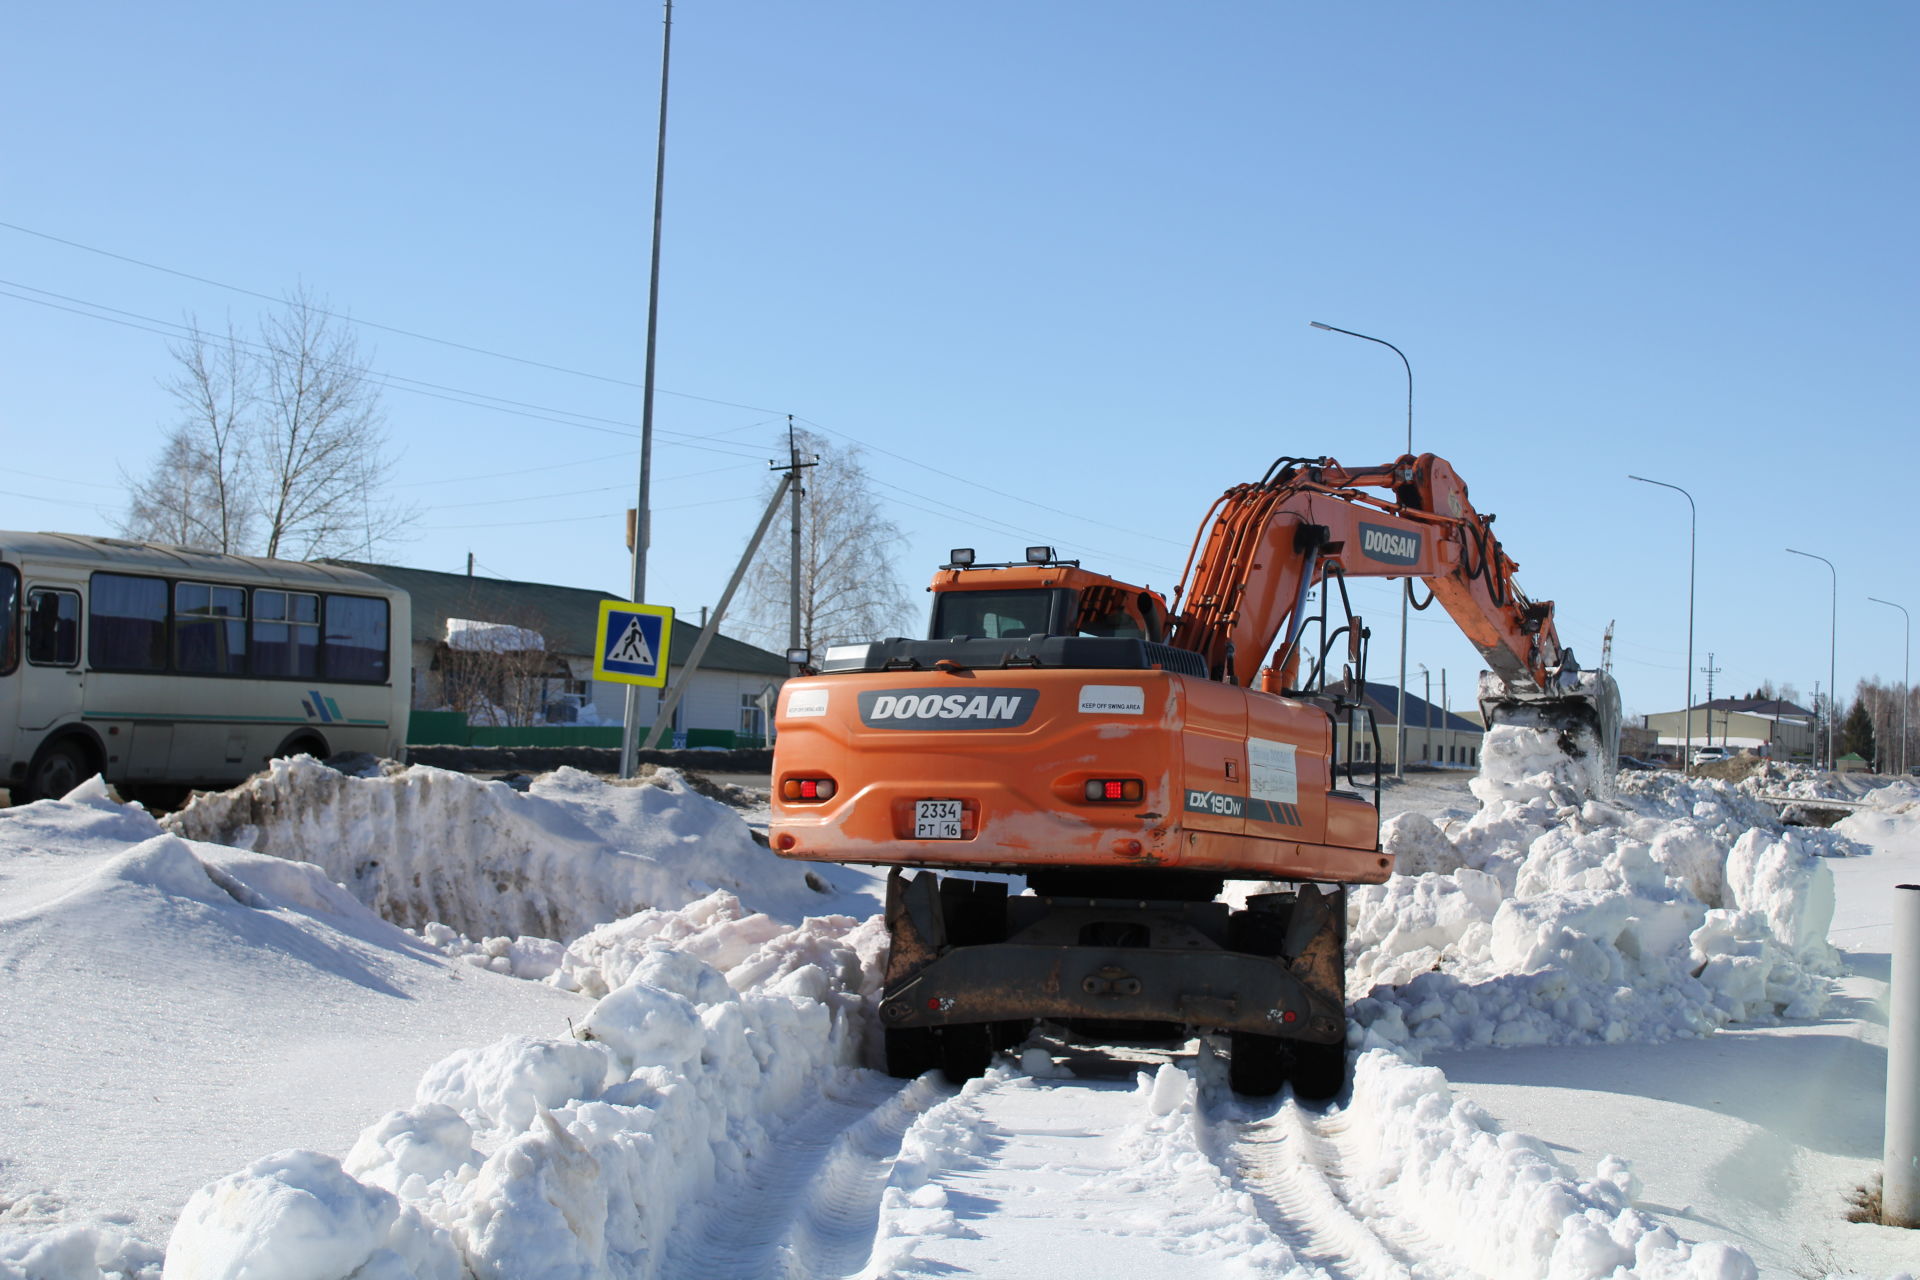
{"points": [[673, 1084]]}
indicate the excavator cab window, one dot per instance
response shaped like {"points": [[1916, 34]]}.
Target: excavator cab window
{"points": [[1118, 612], [997, 615]]}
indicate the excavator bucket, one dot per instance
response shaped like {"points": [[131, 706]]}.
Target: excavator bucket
{"points": [[1584, 708]]}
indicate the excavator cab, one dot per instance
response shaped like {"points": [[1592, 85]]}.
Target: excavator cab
{"points": [[1044, 596]]}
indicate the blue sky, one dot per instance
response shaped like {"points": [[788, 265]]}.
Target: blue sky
{"points": [[1051, 264]]}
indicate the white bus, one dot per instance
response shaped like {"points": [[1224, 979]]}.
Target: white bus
{"points": [[159, 667]]}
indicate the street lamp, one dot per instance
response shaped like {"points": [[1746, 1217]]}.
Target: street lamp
{"points": [[1693, 520], [1833, 640], [1906, 667], [1406, 587]]}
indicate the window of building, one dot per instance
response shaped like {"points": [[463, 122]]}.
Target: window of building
{"points": [[209, 629], [127, 623], [355, 644], [753, 721], [53, 627], [286, 634]]}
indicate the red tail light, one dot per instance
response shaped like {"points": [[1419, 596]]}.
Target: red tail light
{"points": [[1114, 790], [807, 790]]}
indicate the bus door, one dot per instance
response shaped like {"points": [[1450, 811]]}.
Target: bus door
{"points": [[52, 677]]}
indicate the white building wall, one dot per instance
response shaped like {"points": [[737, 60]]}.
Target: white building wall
{"points": [[713, 702]]}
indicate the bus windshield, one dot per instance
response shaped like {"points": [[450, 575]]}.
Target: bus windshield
{"points": [[995, 615], [9, 617]]}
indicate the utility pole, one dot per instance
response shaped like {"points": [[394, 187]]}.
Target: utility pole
{"points": [[1710, 671], [793, 569], [643, 513]]}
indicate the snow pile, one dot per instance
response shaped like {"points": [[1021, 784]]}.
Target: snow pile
{"points": [[1500, 1201], [80, 1251], [178, 1008], [544, 1156], [1892, 817], [1552, 918], [470, 636], [426, 845]]}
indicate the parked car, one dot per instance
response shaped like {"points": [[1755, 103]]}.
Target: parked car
{"points": [[1707, 755], [1636, 765]]}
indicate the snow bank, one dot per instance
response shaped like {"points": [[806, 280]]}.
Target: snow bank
{"points": [[569, 1157], [76, 1251], [1499, 1201], [1549, 917], [426, 846], [1891, 819]]}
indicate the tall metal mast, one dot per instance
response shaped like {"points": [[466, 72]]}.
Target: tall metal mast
{"points": [[643, 518]]}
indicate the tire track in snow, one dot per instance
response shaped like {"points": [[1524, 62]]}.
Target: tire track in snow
{"points": [[809, 1206], [1296, 1164]]}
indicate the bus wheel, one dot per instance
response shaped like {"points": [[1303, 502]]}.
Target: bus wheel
{"points": [[58, 767], [302, 744]]}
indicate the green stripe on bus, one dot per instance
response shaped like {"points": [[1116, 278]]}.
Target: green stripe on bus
{"points": [[157, 715]]}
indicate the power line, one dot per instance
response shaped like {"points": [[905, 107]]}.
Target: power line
{"points": [[392, 381], [371, 324], [532, 412], [989, 489]]}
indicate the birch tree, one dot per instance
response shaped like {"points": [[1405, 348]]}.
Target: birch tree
{"points": [[279, 447], [849, 588]]}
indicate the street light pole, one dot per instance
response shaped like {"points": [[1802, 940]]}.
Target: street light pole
{"points": [[1906, 669], [1693, 521], [1833, 644], [1406, 587], [1426, 717]]}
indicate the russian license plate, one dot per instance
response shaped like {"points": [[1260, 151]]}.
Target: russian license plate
{"points": [[936, 819]]}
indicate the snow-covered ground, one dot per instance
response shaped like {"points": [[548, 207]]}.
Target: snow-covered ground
{"points": [[1595, 1038]]}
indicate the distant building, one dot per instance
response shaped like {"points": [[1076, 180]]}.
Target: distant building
{"points": [[527, 650], [1769, 727], [1436, 736]]}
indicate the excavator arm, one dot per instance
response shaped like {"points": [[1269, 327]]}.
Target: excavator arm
{"points": [[1264, 546]]}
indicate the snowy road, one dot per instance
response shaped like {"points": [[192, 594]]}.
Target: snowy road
{"points": [[1114, 1163]]}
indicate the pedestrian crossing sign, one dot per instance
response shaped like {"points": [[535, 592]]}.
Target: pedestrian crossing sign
{"points": [[633, 643]]}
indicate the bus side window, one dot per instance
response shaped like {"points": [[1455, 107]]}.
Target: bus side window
{"points": [[354, 644], [127, 623], [9, 615], [53, 627]]}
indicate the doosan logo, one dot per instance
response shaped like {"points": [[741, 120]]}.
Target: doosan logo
{"points": [[1390, 545], [938, 709]]}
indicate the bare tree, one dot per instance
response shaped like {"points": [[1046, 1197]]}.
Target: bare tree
{"points": [[849, 589], [498, 672], [279, 449]]}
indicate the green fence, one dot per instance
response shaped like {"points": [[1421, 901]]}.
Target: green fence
{"points": [[450, 729]]}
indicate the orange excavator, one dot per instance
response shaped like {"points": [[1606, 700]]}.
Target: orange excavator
{"points": [[1127, 759]]}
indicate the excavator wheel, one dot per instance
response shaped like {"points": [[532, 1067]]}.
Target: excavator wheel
{"points": [[963, 1051], [1258, 1065], [911, 1052], [966, 1049], [975, 914]]}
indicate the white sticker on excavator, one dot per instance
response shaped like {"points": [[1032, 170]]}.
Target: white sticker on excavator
{"points": [[1271, 774], [806, 702], [1113, 699]]}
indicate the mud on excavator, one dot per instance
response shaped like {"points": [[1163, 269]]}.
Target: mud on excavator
{"points": [[1127, 758]]}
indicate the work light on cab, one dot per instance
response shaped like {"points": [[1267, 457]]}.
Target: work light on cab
{"points": [[807, 790], [1114, 790]]}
